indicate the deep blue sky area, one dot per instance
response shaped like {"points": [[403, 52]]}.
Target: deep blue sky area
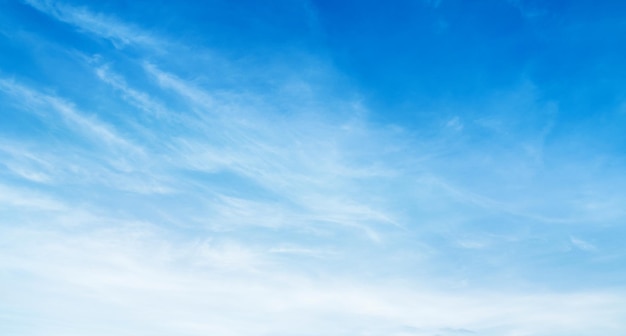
{"points": [[303, 167], [409, 53]]}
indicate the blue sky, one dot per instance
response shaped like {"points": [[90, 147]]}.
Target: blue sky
{"points": [[423, 167]]}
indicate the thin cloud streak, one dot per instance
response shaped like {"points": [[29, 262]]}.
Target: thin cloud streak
{"points": [[38, 103], [138, 99], [120, 34]]}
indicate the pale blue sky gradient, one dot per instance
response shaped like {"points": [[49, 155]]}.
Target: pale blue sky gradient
{"points": [[312, 168]]}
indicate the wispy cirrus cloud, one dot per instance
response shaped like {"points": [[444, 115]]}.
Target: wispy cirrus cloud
{"points": [[139, 99], [119, 33], [175, 284], [260, 199], [581, 244], [42, 104]]}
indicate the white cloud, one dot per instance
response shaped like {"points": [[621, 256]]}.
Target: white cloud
{"points": [[581, 244], [249, 220], [90, 127], [151, 285], [119, 33], [138, 99]]}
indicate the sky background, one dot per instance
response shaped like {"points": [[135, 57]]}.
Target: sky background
{"points": [[292, 167]]}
